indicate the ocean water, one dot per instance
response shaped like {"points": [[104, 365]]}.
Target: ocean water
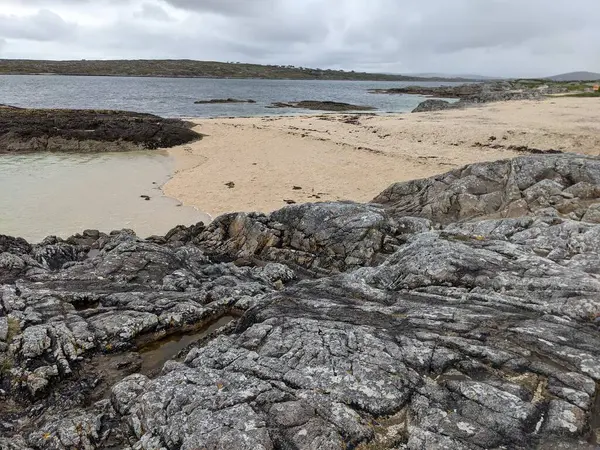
{"points": [[174, 97], [62, 194]]}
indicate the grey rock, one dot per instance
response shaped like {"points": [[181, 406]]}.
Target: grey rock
{"points": [[592, 214], [432, 105], [3, 328], [509, 188], [457, 312], [564, 418], [327, 236]]}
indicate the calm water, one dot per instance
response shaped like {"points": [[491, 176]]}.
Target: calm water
{"points": [[62, 194], [155, 355], [170, 97]]}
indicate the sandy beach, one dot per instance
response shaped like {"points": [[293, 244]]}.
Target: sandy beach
{"points": [[259, 163]]}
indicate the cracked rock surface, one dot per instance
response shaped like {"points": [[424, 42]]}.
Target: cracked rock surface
{"points": [[457, 312]]}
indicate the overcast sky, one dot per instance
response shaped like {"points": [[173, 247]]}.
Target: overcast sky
{"points": [[487, 37]]}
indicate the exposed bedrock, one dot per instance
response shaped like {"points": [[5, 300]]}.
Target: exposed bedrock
{"points": [[476, 93], [421, 321], [88, 131]]}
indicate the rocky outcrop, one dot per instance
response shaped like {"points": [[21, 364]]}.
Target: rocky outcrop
{"points": [[483, 90], [566, 186], [322, 106], [454, 91], [476, 93], [432, 105], [439, 316], [29, 130], [222, 100]]}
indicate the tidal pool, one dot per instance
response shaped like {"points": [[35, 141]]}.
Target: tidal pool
{"points": [[155, 355], [60, 194]]}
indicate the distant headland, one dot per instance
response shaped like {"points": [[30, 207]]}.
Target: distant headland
{"points": [[193, 69]]}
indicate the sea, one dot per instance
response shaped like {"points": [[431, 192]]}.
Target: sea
{"points": [[62, 194]]}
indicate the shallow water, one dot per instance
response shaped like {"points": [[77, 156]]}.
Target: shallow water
{"points": [[155, 355], [62, 194], [174, 97]]}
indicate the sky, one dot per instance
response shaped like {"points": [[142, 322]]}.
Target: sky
{"points": [[485, 37]]}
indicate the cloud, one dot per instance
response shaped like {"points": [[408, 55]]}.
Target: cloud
{"points": [[41, 26], [153, 12], [227, 7], [491, 37]]}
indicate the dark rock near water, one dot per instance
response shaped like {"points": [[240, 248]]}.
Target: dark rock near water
{"points": [[455, 312], [322, 106], [432, 105], [28, 130], [460, 91], [476, 93], [223, 100]]}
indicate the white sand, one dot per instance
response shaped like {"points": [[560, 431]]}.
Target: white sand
{"points": [[267, 156]]}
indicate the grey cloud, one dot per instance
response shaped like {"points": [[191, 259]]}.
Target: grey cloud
{"points": [[470, 24], [42, 26], [492, 37], [152, 11], [227, 7]]}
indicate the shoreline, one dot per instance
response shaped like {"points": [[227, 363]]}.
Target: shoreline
{"points": [[353, 157]]}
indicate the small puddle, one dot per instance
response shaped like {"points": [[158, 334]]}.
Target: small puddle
{"points": [[156, 354]]}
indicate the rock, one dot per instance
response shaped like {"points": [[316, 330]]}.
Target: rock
{"points": [[322, 106], [230, 184], [455, 312], [16, 246], [475, 93], [432, 105], [223, 100], [507, 188], [457, 91], [592, 214], [564, 418], [322, 236], [3, 329], [28, 130]]}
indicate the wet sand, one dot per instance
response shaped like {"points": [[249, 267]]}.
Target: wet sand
{"points": [[350, 157]]}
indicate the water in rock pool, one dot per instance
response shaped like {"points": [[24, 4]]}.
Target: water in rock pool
{"points": [[62, 194], [155, 355]]}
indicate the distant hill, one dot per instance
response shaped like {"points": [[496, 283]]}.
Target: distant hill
{"points": [[576, 76], [190, 69], [466, 77]]}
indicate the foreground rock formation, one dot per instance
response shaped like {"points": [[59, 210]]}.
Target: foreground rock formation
{"points": [[29, 130], [456, 312]]}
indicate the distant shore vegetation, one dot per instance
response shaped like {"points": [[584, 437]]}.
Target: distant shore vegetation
{"points": [[192, 69]]}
